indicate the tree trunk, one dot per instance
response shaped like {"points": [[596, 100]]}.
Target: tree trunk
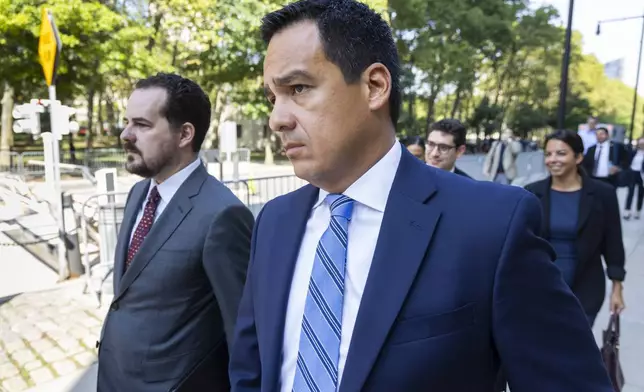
{"points": [[6, 127], [501, 80], [157, 26], [101, 120], [457, 100], [111, 119], [72, 148], [210, 142], [175, 52], [411, 112], [89, 136], [431, 103]]}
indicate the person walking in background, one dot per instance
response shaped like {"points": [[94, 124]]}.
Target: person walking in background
{"points": [[605, 160], [589, 135], [582, 223], [500, 163], [384, 274], [181, 255], [445, 144], [416, 146], [635, 181]]}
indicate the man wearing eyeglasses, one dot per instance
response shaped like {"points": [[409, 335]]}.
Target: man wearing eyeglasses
{"points": [[445, 144], [501, 162]]}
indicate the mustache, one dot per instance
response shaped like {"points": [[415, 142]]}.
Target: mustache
{"points": [[130, 147]]}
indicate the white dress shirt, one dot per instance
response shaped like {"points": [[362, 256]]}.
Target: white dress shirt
{"points": [[636, 165], [588, 137], [370, 193], [166, 189], [603, 160]]}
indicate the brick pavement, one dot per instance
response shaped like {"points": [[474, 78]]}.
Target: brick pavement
{"points": [[45, 335]]}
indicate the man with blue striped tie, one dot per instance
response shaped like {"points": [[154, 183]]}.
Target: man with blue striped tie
{"points": [[317, 360], [385, 274]]}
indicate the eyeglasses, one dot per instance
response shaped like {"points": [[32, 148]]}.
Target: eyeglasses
{"points": [[442, 148]]}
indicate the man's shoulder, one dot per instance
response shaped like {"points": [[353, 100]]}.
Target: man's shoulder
{"points": [[216, 195], [465, 186], [286, 201]]}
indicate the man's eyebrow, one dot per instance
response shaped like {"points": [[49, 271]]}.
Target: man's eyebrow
{"points": [[292, 76], [139, 119]]}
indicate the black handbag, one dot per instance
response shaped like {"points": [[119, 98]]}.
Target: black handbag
{"points": [[610, 353]]}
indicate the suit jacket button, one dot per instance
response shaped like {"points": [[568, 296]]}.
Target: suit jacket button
{"points": [[114, 307]]}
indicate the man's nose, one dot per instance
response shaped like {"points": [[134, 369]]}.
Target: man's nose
{"points": [[127, 134], [281, 118]]}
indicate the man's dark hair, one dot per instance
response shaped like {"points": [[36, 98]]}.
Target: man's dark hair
{"points": [[185, 102], [603, 129], [353, 37], [452, 127]]}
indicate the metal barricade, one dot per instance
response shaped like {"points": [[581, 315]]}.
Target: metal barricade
{"points": [[256, 192], [101, 218], [31, 170], [11, 162]]}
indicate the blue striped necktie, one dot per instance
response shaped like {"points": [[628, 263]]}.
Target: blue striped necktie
{"points": [[319, 352]]}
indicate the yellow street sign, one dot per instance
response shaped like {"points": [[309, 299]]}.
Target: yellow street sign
{"points": [[49, 46]]}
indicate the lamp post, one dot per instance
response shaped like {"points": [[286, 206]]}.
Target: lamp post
{"points": [[565, 63], [639, 63]]}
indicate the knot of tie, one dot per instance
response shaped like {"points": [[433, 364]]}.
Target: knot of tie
{"points": [[340, 205], [154, 196]]}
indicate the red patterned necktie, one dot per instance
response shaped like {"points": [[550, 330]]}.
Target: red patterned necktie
{"points": [[144, 226]]}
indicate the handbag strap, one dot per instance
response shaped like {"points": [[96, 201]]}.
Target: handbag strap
{"points": [[613, 323]]}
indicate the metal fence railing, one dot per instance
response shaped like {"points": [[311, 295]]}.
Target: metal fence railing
{"points": [[101, 218], [255, 193]]}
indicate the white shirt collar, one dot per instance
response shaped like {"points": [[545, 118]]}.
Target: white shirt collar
{"points": [[372, 189], [169, 187]]}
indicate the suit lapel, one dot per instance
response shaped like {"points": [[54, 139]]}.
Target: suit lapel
{"points": [[137, 198], [288, 230], [585, 204], [164, 227], [405, 234], [542, 191]]}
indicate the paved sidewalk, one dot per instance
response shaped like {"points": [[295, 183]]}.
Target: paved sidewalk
{"points": [[632, 320], [46, 335]]}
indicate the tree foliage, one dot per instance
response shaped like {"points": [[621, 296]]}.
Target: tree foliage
{"points": [[491, 63]]}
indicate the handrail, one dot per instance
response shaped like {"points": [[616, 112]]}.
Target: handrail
{"points": [[85, 172], [85, 231]]}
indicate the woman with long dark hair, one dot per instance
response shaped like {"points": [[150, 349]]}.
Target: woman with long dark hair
{"points": [[582, 222], [416, 146]]}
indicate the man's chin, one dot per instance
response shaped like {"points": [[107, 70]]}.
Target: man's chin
{"points": [[138, 170]]}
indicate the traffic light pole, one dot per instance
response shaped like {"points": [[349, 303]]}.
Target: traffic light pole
{"points": [[63, 270]]}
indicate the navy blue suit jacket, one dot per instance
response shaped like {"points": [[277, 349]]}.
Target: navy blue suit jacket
{"points": [[460, 283]]}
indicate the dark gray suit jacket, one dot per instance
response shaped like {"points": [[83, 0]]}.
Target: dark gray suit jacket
{"points": [[176, 304]]}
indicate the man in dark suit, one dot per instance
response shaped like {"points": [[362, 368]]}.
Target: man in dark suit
{"points": [[445, 144], [385, 274], [181, 256], [606, 160]]}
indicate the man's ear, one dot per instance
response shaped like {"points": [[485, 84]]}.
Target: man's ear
{"points": [[377, 80], [186, 134]]}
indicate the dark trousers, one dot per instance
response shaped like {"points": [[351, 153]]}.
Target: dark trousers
{"points": [[635, 181]]}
